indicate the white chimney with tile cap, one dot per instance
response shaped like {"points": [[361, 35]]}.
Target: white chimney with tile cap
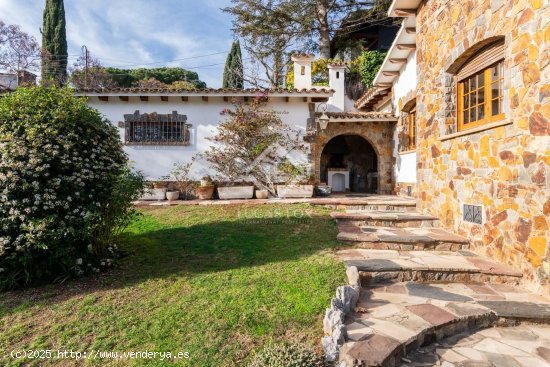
{"points": [[336, 80], [302, 70]]}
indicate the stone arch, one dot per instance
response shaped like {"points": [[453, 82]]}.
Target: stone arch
{"points": [[377, 133]]}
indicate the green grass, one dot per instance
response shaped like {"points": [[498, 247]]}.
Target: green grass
{"points": [[210, 281]]}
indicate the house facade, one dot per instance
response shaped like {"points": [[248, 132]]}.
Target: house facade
{"points": [[163, 127], [475, 119]]}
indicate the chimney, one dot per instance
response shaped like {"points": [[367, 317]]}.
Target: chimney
{"points": [[302, 70], [336, 79]]}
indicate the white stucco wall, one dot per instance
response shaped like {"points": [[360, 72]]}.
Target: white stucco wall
{"points": [[405, 167], [156, 161]]}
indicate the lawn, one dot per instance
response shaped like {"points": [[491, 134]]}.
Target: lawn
{"points": [[217, 282]]}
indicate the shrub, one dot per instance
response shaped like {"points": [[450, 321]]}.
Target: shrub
{"points": [[251, 144], [65, 187], [369, 64], [283, 355]]}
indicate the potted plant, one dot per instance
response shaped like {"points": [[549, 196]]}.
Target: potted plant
{"points": [[248, 146], [206, 189]]}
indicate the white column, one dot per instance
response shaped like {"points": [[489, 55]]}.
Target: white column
{"points": [[302, 70], [336, 77]]}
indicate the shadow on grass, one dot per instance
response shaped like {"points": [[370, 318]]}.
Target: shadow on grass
{"points": [[192, 245]]}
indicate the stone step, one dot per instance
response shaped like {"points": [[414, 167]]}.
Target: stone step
{"points": [[367, 267], [374, 203], [385, 218], [406, 239], [391, 321]]}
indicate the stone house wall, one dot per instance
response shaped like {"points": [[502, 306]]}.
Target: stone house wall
{"points": [[505, 169], [377, 133]]}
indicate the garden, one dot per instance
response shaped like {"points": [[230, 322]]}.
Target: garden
{"points": [[83, 271]]}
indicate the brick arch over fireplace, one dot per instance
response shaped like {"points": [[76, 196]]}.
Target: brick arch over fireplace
{"points": [[377, 133]]}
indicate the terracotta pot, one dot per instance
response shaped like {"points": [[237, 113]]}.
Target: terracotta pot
{"points": [[205, 192], [262, 194], [172, 195]]}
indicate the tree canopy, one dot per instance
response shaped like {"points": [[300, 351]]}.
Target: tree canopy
{"points": [[233, 73], [54, 43], [126, 78]]}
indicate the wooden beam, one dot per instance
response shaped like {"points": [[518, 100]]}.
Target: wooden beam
{"points": [[384, 85], [246, 99], [123, 98], [398, 61], [391, 73], [405, 12], [164, 98], [144, 98], [287, 98], [226, 99], [205, 98], [184, 98], [304, 99], [410, 30], [406, 47], [103, 98]]}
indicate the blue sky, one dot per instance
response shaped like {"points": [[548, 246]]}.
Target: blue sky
{"points": [[133, 33]]}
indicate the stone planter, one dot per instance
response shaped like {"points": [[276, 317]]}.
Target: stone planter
{"points": [[172, 195], [262, 194], [154, 194], [205, 192], [236, 192], [295, 191]]}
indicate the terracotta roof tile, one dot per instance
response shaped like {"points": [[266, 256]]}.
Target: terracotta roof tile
{"points": [[204, 91], [370, 95], [360, 115]]}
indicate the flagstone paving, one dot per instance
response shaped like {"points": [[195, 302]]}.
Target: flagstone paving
{"points": [[463, 266], [525, 345], [395, 238], [418, 297], [405, 316], [386, 218]]}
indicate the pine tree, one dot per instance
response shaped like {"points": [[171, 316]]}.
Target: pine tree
{"points": [[54, 43], [233, 72]]}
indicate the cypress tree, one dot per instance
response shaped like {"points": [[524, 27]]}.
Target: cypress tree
{"points": [[233, 72], [54, 43]]}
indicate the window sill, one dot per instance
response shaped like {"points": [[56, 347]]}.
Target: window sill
{"points": [[475, 130], [408, 151]]}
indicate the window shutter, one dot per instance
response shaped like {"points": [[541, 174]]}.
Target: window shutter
{"points": [[483, 59]]}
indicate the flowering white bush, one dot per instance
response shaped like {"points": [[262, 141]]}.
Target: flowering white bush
{"points": [[65, 187]]}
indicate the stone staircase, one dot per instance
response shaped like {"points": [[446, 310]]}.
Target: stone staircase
{"points": [[412, 286]]}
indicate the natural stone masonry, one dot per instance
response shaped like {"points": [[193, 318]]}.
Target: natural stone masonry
{"points": [[505, 169], [377, 133], [525, 345], [406, 239], [385, 218], [393, 320], [376, 266]]}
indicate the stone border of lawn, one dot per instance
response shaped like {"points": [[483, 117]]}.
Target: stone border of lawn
{"points": [[333, 323]]}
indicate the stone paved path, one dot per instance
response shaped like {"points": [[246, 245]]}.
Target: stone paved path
{"points": [[416, 296], [525, 345]]}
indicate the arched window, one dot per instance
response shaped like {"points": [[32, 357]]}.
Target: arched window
{"points": [[480, 87]]}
